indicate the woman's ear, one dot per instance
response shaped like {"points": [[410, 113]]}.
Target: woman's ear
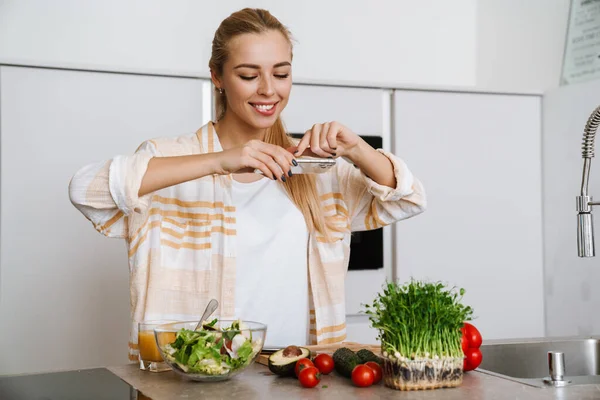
{"points": [[215, 80]]}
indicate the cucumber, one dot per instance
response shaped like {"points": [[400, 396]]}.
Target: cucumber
{"points": [[344, 361], [366, 355]]}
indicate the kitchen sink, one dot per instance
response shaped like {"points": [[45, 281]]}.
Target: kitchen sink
{"points": [[527, 360]]}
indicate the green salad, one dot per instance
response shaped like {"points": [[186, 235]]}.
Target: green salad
{"points": [[211, 351]]}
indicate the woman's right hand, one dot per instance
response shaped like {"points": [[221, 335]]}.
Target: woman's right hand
{"points": [[273, 161]]}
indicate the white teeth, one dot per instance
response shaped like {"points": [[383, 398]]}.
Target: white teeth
{"points": [[263, 107]]}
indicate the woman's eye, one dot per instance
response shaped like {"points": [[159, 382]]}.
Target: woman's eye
{"points": [[247, 78], [282, 76]]}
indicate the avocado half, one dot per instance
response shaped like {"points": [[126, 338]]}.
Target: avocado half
{"points": [[283, 362]]}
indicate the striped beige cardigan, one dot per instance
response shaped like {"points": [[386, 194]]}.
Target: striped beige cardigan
{"points": [[181, 240]]}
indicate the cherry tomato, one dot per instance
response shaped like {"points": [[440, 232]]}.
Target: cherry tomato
{"points": [[473, 358], [324, 363], [362, 376], [302, 364], [226, 345], [472, 334], [377, 371], [309, 377]]}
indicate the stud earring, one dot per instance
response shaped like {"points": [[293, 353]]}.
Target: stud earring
{"points": [[221, 90]]}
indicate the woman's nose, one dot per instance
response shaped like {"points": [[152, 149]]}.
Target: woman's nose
{"points": [[265, 87]]}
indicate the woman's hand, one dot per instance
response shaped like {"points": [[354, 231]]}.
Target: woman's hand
{"points": [[330, 139], [335, 140], [274, 161]]}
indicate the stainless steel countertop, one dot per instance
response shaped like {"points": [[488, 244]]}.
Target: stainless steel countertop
{"points": [[258, 383]]}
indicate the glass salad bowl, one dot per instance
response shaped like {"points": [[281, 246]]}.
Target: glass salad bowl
{"points": [[217, 351]]}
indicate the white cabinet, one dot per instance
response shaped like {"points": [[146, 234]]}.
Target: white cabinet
{"points": [[367, 112], [64, 287], [479, 158]]}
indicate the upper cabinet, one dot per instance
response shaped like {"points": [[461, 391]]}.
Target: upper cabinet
{"points": [[479, 159]]}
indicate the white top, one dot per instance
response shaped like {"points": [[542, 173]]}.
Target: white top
{"points": [[271, 263]]}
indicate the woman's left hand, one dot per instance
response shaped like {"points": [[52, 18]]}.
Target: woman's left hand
{"points": [[330, 139]]}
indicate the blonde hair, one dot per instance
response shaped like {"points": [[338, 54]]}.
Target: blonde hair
{"points": [[302, 189]]}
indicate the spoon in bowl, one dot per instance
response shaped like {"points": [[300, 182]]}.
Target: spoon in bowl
{"points": [[210, 308]]}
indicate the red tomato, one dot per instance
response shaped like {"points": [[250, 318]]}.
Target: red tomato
{"points": [[309, 377], [324, 363], [227, 344], [302, 364], [473, 358], [472, 334], [362, 376], [377, 372], [464, 343]]}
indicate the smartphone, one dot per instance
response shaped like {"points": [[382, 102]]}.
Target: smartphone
{"points": [[309, 165]]}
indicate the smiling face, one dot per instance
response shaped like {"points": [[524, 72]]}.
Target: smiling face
{"points": [[256, 78]]}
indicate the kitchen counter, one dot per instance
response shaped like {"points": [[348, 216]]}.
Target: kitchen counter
{"points": [[258, 383]]}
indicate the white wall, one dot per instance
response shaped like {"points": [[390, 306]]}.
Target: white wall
{"points": [[402, 41], [520, 44], [572, 298]]}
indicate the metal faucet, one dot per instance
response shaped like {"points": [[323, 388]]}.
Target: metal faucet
{"points": [[585, 222], [556, 368]]}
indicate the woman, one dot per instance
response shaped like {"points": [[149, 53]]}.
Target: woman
{"points": [[199, 223]]}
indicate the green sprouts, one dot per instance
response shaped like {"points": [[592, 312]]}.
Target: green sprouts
{"points": [[419, 319]]}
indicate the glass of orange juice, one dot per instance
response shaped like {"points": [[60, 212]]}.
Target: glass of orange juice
{"points": [[149, 356]]}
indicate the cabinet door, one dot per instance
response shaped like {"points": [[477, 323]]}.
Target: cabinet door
{"points": [[52, 123], [478, 156], [366, 112]]}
